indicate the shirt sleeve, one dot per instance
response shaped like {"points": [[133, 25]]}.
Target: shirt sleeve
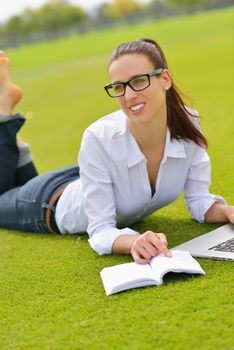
{"points": [[99, 199], [196, 192]]}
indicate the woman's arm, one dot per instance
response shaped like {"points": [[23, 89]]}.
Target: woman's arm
{"points": [[220, 213], [203, 205], [99, 197], [196, 192]]}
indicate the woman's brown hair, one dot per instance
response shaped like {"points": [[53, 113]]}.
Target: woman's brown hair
{"points": [[179, 119]]}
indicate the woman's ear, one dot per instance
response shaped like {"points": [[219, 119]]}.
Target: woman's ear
{"points": [[166, 78]]}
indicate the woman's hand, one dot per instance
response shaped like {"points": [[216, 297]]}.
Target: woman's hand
{"points": [[220, 213], [230, 213], [148, 245]]}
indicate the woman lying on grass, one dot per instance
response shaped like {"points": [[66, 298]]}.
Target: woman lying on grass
{"points": [[132, 162]]}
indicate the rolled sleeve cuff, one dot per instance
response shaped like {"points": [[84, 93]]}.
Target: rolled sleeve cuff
{"points": [[103, 240], [198, 213]]}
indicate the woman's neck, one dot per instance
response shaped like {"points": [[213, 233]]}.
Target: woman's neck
{"points": [[150, 137]]}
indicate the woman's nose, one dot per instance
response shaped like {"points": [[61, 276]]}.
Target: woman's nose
{"points": [[130, 93]]}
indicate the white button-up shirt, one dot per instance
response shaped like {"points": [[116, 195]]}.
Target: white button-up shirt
{"points": [[114, 191]]}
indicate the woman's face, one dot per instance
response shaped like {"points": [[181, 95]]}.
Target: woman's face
{"points": [[148, 104]]}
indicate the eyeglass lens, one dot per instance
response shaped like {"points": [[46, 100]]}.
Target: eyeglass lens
{"points": [[137, 84]]}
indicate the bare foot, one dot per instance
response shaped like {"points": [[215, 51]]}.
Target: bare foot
{"points": [[10, 94]]}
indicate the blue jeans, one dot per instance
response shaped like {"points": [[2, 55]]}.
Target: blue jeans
{"points": [[23, 207]]}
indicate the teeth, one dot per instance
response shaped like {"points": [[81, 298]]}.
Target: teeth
{"points": [[137, 107]]}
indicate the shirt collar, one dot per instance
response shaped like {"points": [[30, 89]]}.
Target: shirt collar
{"points": [[134, 154], [120, 144], [173, 147]]}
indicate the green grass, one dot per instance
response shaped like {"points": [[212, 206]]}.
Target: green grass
{"points": [[51, 295]]}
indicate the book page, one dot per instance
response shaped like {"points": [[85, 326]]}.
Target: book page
{"points": [[181, 261], [126, 276]]}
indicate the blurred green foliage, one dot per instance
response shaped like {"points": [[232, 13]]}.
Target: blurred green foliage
{"points": [[58, 18], [52, 16]]}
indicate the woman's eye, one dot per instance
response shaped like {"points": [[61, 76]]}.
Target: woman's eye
{"points": [[118, 87], [139, 82]]}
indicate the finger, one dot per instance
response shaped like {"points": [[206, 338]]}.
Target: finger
{"points": [[142, 252], [161, 246], [162, 238], [146, 248], [138, 259], [150, 248]]}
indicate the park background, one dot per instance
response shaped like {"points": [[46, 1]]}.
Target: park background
{"points": [[51, 294]]}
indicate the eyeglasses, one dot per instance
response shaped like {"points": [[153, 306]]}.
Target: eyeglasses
{"points": [[137, 83]]}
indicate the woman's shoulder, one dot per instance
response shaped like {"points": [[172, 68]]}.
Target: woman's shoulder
{"points": [[109, 134], [109, 127]]}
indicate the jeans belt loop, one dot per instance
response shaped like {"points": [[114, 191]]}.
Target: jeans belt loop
{"points": [[50, 209]]}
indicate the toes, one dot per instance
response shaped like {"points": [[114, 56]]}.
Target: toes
{"points": [[4, 59], [4, 67], [2, 53]]}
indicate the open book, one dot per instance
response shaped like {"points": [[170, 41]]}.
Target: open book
{"points": [[132, 275]]}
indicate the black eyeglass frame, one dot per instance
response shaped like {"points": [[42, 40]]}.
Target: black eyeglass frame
{"points": [[128, 83]]}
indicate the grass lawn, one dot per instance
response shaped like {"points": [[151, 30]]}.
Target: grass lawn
{"points": [[51, 294]]}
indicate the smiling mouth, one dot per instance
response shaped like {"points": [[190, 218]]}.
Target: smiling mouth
{"points": [[137, 107]]}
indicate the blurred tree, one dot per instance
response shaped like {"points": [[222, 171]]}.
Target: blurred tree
{"points": [[58, 17], [55, 15], [14, 24], [158, 8], [58, 14], [186, 3], [120, 9]]}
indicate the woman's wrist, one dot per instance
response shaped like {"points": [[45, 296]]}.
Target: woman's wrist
{"points": [[123, 244]]}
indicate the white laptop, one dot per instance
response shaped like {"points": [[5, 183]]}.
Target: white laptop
{"points": [[217, 244]]}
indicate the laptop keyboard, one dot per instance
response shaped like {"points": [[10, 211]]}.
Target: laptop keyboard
{"points": [[227, 246]]}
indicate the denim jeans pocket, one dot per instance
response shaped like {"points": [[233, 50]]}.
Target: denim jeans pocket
{"points": [[30, 215]]}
